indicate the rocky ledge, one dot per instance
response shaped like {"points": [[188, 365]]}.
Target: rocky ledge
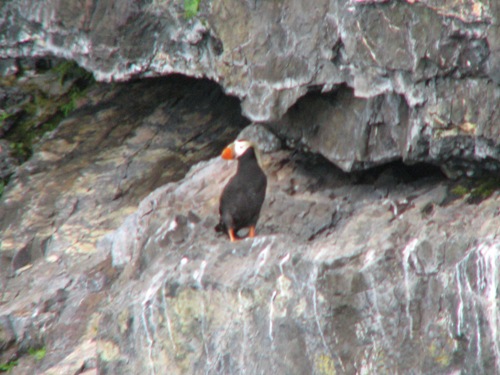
{"points": [[344, 277], [110, 263]]}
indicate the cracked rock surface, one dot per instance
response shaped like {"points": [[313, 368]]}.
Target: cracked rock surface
{"points": [[345, 276], [416, 80], [81, 182], [111, 263]]}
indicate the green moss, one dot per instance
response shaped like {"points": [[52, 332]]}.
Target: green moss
{"points": [[484, 189], [44, 111], [4, 116], [81, 78], [6, 367], [38, 353], [476, 190], [324, 365], [21, 150], [460, 190], [68, 107], [441, 351], [191, 8], [70, 70]]}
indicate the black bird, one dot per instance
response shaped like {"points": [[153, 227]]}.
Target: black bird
{"points": [[242, 198]]}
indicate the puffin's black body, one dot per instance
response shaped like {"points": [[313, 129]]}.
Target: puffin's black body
{"points": [[243, 196]]}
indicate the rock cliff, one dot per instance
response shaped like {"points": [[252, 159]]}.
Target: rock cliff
{"points": [[110, 263], [109, 260]]}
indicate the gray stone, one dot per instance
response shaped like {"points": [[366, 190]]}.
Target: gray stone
{"points": [[349, 273], [262, 137], [8, 67], [109, 226], [368, 280], [82, 181]]}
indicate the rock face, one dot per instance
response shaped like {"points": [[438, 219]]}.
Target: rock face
{"points": [[82, 181], [416, 80], [395, 271], [109, 262], [348, 279], [120, 135]]}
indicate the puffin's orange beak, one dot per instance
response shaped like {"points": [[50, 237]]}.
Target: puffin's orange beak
{"points": [[227, 153]]}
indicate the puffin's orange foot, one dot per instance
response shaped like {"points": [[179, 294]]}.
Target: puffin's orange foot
{"points": [[232, 235], [251, 234]]}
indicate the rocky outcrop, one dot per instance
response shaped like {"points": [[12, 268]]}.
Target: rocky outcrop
{"points": [[391, 271], [109, 260], [82, 181], [350, 278], [114, 147], [418, 80]]}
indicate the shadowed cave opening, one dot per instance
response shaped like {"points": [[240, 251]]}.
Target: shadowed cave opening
{"points": [[175, 94], [176, 91], [316, 165], [33, 107]]}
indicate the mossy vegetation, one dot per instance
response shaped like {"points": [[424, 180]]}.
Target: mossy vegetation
{"points": [[8, 366], [324, 365], [484, 189], [4, 117], [191, 8], [44, 110], [50, 92], [69, 70], [38, 353], [474, 191], [459, 190]]}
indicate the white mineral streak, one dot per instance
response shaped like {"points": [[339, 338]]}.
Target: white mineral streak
{"points": [[491, 285], [148, 318], [271, 314], [407, 252], [262, 259], [478, 295]]}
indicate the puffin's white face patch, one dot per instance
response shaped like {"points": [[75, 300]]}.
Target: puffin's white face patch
{"points": [[240, 147]]}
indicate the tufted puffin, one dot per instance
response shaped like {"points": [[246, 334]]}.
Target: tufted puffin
{"points": [[242, 198]]}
